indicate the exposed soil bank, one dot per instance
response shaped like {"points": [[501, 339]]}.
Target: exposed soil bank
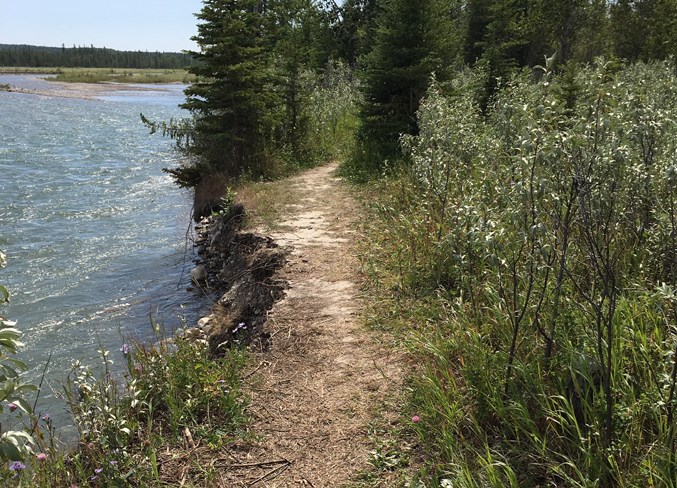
{"points": [[323, 377], [242, 267]]}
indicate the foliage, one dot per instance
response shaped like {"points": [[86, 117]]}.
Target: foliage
{"points": [[643, 29], [529, 254], [174, 396], [15, 445], [230, 104], [410, 44], [121, 76]]}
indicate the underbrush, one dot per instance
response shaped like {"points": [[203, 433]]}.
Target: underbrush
{"points": [[159, 423], [528, 258]]}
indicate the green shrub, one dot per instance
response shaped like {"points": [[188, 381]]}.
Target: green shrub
{"points": [[531, 254]]}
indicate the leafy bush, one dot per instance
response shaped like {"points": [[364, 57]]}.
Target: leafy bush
{"points": [[136, 430], [15, 445], [532, 253]]}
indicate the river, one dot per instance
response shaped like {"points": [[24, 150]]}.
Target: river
{"points": [[94, 231]]}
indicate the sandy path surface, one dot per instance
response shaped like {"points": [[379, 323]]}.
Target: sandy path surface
{"points": [[318, 386]]}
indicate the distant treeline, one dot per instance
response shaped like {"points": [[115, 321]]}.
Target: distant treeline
{"points": [[88, 57]]}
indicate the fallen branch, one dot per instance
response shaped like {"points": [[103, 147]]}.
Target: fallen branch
{"points": [[272, 474]]}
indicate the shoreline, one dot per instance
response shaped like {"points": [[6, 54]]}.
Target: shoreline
{"points": [[44, 84], [84, 91]]}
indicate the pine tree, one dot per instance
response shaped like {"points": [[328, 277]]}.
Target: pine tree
{"points": [[354, 28], [291, 26]]}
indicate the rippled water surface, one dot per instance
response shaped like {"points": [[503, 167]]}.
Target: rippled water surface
{"points": [[93, 229]]}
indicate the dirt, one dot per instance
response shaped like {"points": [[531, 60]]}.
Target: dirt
{"points": [[316, 385], [243, 270]]}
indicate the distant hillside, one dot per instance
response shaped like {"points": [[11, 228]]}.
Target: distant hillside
{"points": [[88, 57]]}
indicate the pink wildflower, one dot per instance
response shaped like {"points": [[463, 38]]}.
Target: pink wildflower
{"points": [[416, 419]]}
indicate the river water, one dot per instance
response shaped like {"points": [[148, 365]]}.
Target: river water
{"points": [[94, 231]]}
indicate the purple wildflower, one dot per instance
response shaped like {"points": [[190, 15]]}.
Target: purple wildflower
{"points": [[46, 417], [240, 326], [12, 406], [125, 349], [17, 466], [98, 470]]}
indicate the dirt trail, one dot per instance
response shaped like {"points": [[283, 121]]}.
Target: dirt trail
{"points": [[317, 387]]}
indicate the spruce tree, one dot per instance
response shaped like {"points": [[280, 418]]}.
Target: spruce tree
{"points": [[231, 103], [410, 44]]}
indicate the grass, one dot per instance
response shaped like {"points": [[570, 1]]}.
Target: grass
{"points": [[10, 70], [173, 411], [524, 379], [101, 75], [264, 202]]}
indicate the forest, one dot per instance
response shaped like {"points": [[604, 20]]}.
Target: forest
{"points": [[25, 56], [518, 160]]}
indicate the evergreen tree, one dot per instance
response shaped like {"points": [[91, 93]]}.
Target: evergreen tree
{"points": [[292, 35], [412, 41], [644, 29], [231, 103], [354, 26], [478, 13]]}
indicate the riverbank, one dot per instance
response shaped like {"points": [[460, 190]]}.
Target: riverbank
{"points": [[87, 83], [84, 91], [298, 403]]}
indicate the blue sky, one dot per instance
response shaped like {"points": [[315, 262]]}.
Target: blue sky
{"points": [[147, 25]]}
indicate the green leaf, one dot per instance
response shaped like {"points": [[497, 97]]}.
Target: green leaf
{"points": [[22, 404], [9, 450], [4, 294]]}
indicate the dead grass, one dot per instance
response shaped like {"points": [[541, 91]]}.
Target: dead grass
{"points": [[265, 202]]}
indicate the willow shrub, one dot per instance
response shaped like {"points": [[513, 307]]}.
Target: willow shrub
{"points": [[16, 443], [534, 251]]}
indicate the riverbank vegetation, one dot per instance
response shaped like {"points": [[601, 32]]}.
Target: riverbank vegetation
{"points": [[267, 91], [148, 428], [518, 163], [101, 75], [106, 75]]}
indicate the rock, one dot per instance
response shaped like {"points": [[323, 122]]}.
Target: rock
{"points": [[199, 274], [204, 321], [215, 238], [208, 330]]}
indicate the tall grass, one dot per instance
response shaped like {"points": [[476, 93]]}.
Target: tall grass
{"points": [[142, 429], [529, 253]]}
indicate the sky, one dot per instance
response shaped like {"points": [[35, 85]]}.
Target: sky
{"points": [[145, 25]]}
